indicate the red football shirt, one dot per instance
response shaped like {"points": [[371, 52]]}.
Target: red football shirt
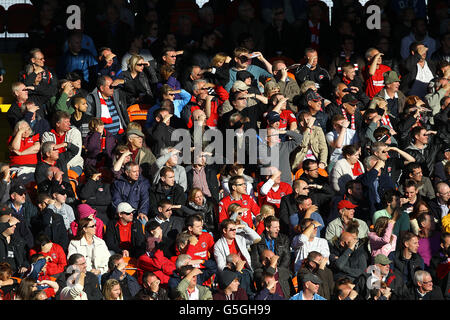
{"points": [[374, 83], [25, 143]]}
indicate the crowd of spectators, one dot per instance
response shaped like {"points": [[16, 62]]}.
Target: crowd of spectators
{"points": [[97, 200]]}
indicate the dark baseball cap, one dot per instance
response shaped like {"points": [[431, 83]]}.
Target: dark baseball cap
{"points": [[18, 188], [59, 189], [273, 116], [350, 99], [310, 94], [311, 277]]}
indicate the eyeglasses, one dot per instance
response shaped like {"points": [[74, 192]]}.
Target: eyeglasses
{"points": [[140, 64], [234, 229], [239, 184], [93, 226], [171, 94], [427, 282], [127, 213], [173, 56]]}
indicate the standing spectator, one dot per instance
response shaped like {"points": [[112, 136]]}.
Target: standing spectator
{"points": [[373, 72], [314, 72], [423, 148], [60, 207]]}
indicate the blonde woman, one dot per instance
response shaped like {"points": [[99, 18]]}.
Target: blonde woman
{"points": [[137, 79], [112, 290]]}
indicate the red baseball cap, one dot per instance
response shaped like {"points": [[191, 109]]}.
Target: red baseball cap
{"points": [[346, 204]]}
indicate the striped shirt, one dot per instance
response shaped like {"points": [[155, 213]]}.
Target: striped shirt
{"points": [[113, 127]]}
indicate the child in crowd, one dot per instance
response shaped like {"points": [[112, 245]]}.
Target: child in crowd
{"points": [[98, 145], [86, 211]]}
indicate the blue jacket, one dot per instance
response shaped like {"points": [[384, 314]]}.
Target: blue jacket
{"points": [[83, 61], [135, 194], [299, 296]]}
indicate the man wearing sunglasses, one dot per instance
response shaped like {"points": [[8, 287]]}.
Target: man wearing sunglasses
{"points": [[124, 235]]}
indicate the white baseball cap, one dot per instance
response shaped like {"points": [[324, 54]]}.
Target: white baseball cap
{"points": [[125, 207]]}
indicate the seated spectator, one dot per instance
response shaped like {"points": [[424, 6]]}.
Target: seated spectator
{"points": [[306, 210], [414, 172], [79, 119], [188, 288], [394, 98], [60, 207], [154, 260], [64, 134], [63, 100], [138, 82], [151, 289], [140, 154], [13, 247], [54, 180], [96, 193], [49, 223], [112, 290], [170, 224], [9, 284], [75, 80], [423, 148], [310, 288], [229, 287], [230, 242], [35, 118], [98, 145], [24, 146], [316, 264], [197, 203], [108, 64], [346, 219], [56, 261], [348, 168], [238, 195], [169, 158], [83, 286], [86, 211], [91, 247], [348, 257], [272, 189], [231, 170], [307, 242], [117, 270], [423, 288], [406, 259], [286, 82], [166, 188], [125, 234], [429, 237], [269, 289], [381, 240], [439, 205]]}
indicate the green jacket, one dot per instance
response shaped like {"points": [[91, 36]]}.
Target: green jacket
{"points": [[204, 292], [60, 103]]}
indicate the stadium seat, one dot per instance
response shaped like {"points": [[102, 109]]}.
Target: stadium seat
{"points": [[20, 17]]}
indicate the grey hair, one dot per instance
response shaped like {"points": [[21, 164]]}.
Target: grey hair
{"points": [[181, 260], [368, 160], [418, 276], [17, 126], [196, 83], [47, 146]]}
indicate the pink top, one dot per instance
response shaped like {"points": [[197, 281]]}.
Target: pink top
{"points": [[383, 245]]}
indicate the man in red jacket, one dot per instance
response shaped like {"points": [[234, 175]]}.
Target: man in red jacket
{"points": [[238, 195]]}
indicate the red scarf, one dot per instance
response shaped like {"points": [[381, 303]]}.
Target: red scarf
{"points": [[386, 121], [352, 123], [357, 171]]}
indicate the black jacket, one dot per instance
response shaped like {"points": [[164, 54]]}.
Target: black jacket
{"points": [[97, 194], [170, 230], [282, 249], [208, 212], [347, 263], [112, 238], [435, 294], [17, 244], [394, 280], [158, 137], [174, 194], [91, 285], [288, 207], [409, 71], [52, 225], [400, 265]]}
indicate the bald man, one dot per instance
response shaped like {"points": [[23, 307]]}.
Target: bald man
{"points": [[288, 205], [348, 257]]}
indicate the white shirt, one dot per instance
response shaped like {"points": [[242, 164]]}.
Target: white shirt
{"points": [[350, 138], [194, 295], [303, 247], [423, 77]]}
